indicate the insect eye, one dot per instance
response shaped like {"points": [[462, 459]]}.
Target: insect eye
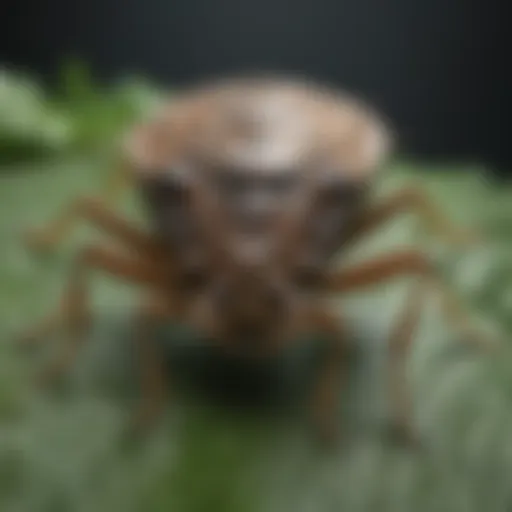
{"points": [[231, 184], [195, 273], [345, 192], [194, 280], [164, 187], [307, 276], [281, 184]]}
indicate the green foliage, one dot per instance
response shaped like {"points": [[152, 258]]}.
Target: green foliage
{"points": [[99, 114], [80, 116], [28, 124]]}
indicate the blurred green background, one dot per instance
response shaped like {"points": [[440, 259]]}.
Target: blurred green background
{"points": [[60, 452]]}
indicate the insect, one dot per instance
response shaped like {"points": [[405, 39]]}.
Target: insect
{"points": [[254, 185]]}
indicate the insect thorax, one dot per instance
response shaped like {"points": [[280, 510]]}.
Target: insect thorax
{"points": [[253, 141]]}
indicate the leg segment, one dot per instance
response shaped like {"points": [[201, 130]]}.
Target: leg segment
{"points": [[96, 213], [394, 266], [401, 264], [74, 318], [325, 395], [55, 231], [152, 368], [415, 200], [133, 238], [72, 314], [400, 340]]}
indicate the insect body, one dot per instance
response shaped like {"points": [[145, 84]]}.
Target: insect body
{"points": [[253, 186]]}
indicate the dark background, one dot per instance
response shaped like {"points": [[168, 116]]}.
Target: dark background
{"points": [[436, 67]]}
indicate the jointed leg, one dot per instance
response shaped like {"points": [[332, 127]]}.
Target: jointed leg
{"points": [[99, 215], [400, 264], [134, 239], [393, 266], [73, 311], [54, 232], [142, 245], [400, 340], [74, 318], [410, 200], [152, 368], [325, 395]]}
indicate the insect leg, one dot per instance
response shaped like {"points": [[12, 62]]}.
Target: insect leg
{"points": [[406, 200], [333, 370], [393, 266], [99, 215], [49, 236], [152, 370], [400, 264], [400, 340], [73, 313]]}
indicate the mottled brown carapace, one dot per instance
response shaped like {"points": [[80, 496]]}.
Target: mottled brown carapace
{"points": [[253, 184], [266, 146], [279, 168], [264, 124]]}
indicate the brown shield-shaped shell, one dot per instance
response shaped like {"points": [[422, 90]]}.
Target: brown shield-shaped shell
{"points": [[263, 127], [262, 124], [258, 126]]}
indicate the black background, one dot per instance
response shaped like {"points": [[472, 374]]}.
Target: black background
{"points": [[438, 68]]}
